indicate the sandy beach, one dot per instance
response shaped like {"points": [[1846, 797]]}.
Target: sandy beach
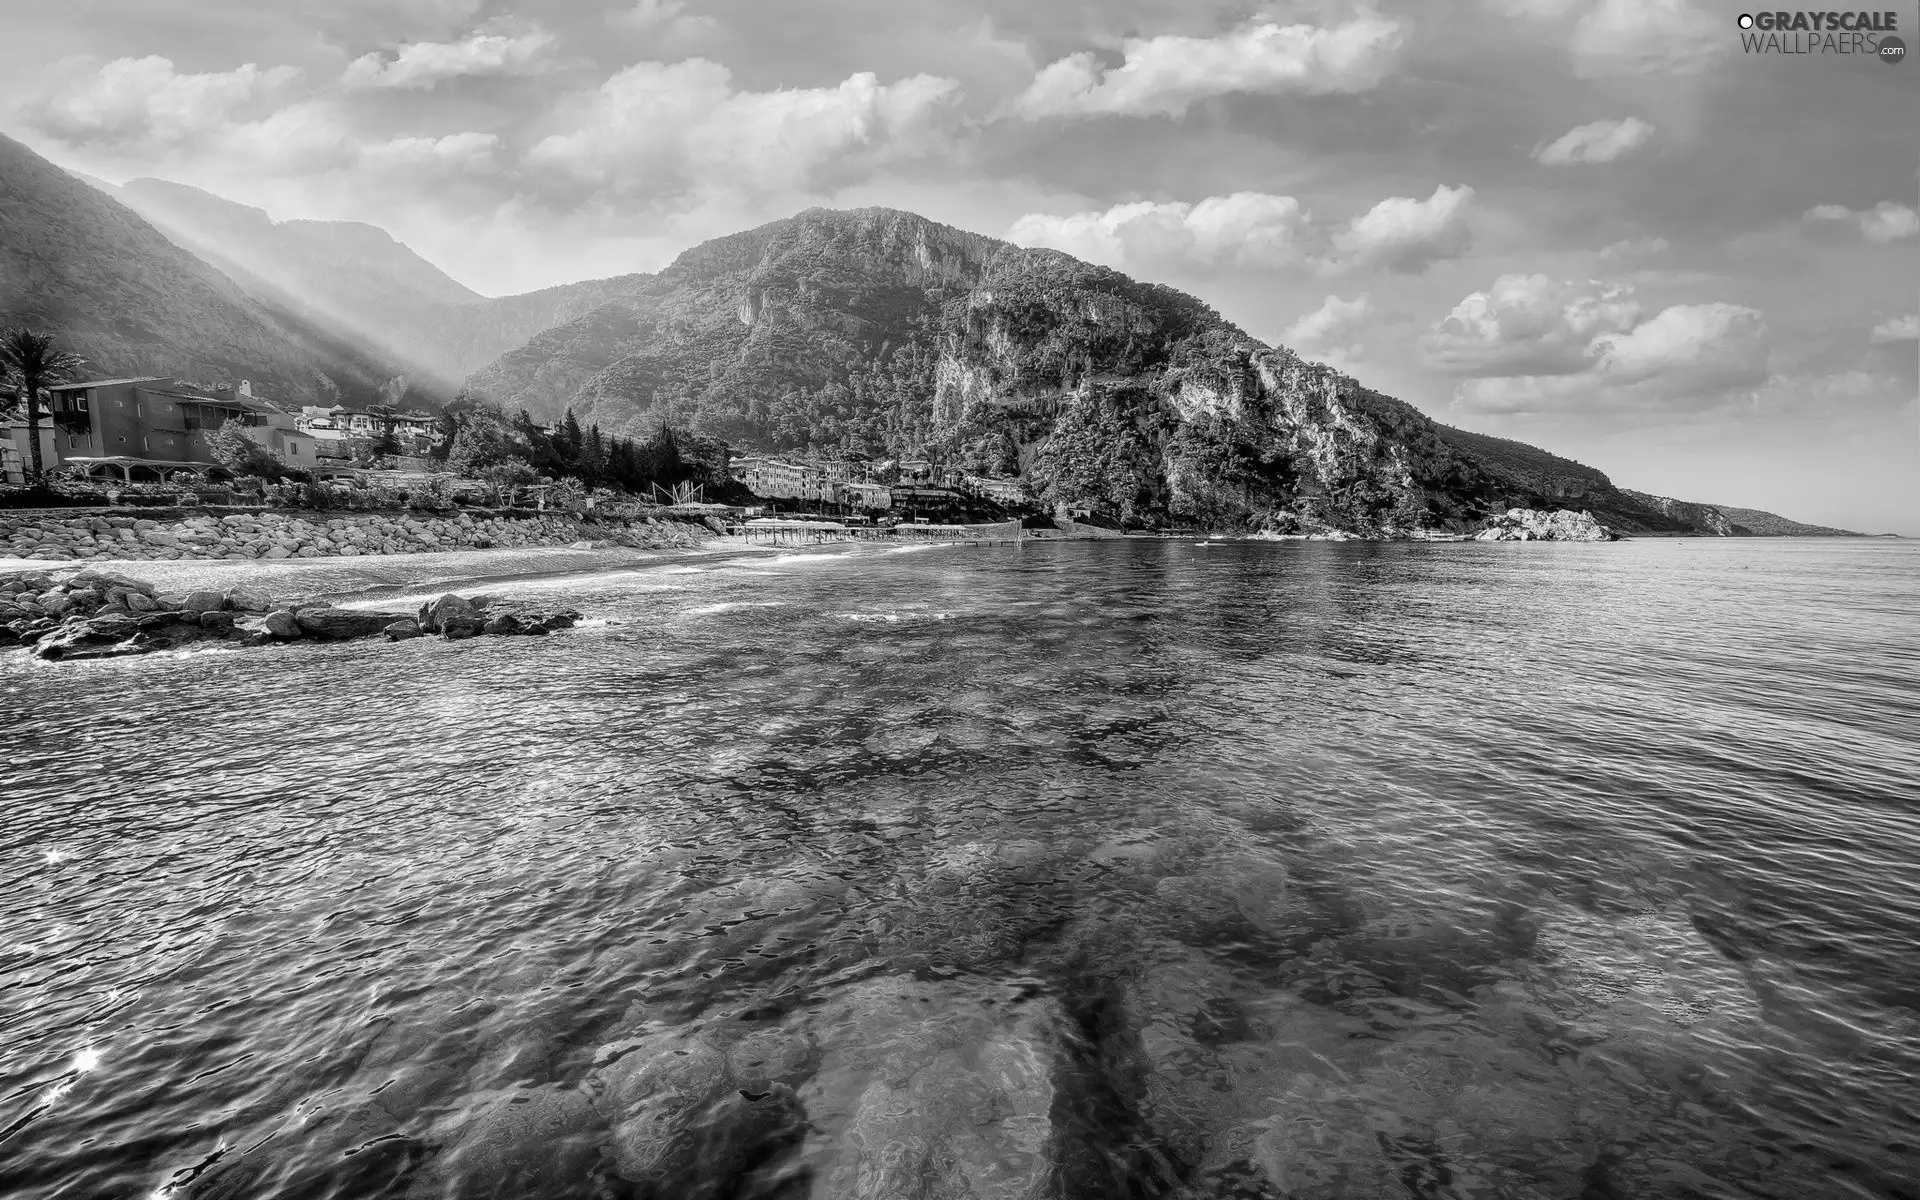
{"points": [[375, 579]]}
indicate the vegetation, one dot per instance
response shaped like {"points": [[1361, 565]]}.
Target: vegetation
{"points": [[31, 363], [236, 450]]}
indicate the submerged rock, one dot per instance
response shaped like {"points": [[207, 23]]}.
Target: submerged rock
{"points": [[927, 1091]]}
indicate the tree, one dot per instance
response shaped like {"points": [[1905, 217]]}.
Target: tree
{"points": [[234, 449], [483, 441], [32, 362], [506, 475]]}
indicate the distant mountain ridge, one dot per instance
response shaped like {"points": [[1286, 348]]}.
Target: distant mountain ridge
{"points": [[111, 287], [1726, 521]]}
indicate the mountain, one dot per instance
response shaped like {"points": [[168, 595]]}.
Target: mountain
{"points": [[357, 282], [76, 264], [1724, 521], [880, 332]]}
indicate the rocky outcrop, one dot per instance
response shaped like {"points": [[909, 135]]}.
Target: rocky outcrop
{"points": [[276, 534], [96, 614], [1526, 525]]}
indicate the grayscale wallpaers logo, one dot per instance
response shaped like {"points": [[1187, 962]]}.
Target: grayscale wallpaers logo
{"points": [[1870, 33]]}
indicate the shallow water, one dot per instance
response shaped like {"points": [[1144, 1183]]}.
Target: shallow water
{"points": [[1083, 869]]}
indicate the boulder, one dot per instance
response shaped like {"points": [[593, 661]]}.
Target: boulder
{"points": [[140, 602], [111, 628], [217, 622], [199, 602], [282, 624], [435, 613], [340, 624], [248, 600], [401, 630], [502, 624], [456, 628]]}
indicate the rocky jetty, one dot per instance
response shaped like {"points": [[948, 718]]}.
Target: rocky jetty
{"points": [[293, 534], [1560, 525], [98, 614]]}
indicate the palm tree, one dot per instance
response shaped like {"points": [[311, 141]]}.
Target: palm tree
{"points": [[32, 362]]}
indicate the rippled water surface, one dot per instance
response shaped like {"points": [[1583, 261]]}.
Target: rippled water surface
{"points": [[1078, 870]]}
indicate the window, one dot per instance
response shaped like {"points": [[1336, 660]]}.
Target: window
{"points": [[146, 443], [79, 402]]}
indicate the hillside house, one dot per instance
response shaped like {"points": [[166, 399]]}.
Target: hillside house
{"points": [[145, 429]]}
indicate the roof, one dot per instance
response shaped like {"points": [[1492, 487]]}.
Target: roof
{"points": [[93, 383]]}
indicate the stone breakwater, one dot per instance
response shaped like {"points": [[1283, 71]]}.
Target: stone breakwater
{"points": [[1560, 525], [278, 534], [97, 614]]}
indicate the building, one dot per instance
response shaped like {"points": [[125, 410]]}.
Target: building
{"points": [[866, 495], [1009, 493], [142, 430]]}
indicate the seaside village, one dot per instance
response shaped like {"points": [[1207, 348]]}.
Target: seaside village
{"points": [[143, 440]]}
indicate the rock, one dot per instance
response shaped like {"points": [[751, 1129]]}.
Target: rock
{"points": [[140, 602], [110, 628], [516, 1142], [217, 622], [55, 604], [401, 630], [195, 603], [503, 625], [435, 612], [935, 1089], [1525, 524], [456, 628], [685, 1120], [340, 624], [282, 624], [248, 600], [255, 637]]}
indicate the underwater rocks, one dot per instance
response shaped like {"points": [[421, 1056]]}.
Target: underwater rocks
{"points": [[98, 614], [1560, 525]]}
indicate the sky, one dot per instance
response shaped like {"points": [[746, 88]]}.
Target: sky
{"points": [[1599, 226]]}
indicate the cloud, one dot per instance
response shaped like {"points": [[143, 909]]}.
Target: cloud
{"points": [[658, 129], [1897, 329], [1884, 222], [1636, 250], [1534, 345], [1596, 142], [1164, 76], [1257, 230], [1698, 349], [666, 21], [1333, 329], [1609, 38], [1249, 229], [145, 101], [424, 64], [1408, 235], [1529, 325]]}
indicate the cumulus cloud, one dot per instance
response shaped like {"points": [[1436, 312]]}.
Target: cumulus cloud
{"points": [[1533, 344], [145, 101], [659, 128], [1884, 222], [1529, 325], [1404, 234], [1164, 76], [1688, 349], [424, 64], [1246, 229], [1258, 230], [1897, 329], [1335, 329], [1596, 142]]}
